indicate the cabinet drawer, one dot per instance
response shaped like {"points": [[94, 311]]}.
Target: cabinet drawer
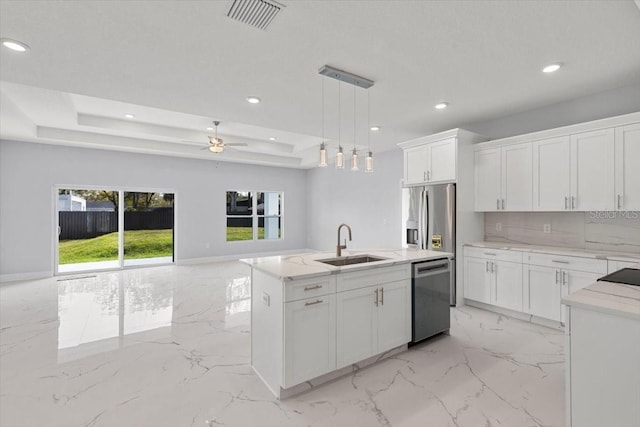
{"points": [[308, 288], [590, 265], [373, 276], [493, 254]]}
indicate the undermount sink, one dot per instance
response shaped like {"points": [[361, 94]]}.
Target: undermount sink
{"points": [[349, 260]]}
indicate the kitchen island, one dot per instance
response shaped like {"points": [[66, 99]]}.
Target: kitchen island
{"points": [[312, 321], [603, 355]]}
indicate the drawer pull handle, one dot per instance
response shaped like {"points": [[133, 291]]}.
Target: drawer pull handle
{"points": [[381, 296], [376, 301], [559, 262], [310, 288], [318, 301], [489, 253]]}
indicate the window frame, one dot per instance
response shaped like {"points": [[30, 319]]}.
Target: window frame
{"points": [[255, 217]]}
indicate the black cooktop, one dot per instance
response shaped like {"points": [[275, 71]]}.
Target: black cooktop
{"points": [[627, 276]]}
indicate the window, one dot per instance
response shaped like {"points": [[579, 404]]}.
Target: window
{"points": [[254, 215]]}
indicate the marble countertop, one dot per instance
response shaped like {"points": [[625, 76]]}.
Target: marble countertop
{"points": [[607, 297], [584, 253], [299, 266]]}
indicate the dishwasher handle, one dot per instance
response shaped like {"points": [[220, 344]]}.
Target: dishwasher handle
{"points": [[430, 268]]}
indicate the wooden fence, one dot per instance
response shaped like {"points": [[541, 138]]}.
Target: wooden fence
{"points": [[87, 224]]}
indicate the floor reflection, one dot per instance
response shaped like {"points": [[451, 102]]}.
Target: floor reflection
{"points": [[102, 307], [238, 301]]}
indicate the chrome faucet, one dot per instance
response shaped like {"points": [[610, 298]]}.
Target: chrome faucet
{"points": [[340, 247]]}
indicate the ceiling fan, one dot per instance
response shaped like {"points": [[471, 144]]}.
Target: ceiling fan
{"points": [[217, 145]]}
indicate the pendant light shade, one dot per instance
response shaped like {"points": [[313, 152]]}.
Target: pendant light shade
{"points": [[368, 163], [339, 159], [354, 160], [323, 156]]}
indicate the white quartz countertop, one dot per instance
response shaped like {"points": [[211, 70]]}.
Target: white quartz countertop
{"points": [[584, 253], [607, 297], [304, 265]]}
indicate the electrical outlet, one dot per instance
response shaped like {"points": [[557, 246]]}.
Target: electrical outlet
{"points": [[498, 226], [266, 299], [546, 228]]}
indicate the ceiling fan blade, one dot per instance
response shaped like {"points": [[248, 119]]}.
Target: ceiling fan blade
{"points": [[236, 144]]}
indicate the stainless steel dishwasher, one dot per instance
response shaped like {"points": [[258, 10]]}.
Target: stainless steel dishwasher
{"points": [[430, 291]]}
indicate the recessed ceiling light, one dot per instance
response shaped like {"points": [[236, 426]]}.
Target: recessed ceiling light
{"points": [[441, 106], [130, 116], [375, 128], [551, 68], [272, 138], [15, 45], [253, 100]]}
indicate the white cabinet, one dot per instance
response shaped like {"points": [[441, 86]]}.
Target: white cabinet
{"points": [[375, 316], [548, 278], [309, 338], [431, 162], [503, 178], [627, 170], [617, 265], [592, 170], [552, 174], [494, 277]]}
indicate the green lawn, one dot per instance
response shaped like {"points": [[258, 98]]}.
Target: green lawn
{"points": [[242, 233], [137, 244]]}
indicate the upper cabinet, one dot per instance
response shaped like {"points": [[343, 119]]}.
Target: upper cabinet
{"points": [[503, 178], [430, 163], [586, 167], [627, 168]]}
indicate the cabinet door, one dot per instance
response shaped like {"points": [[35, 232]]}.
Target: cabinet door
{"points": [[543, 286], [415, 165], [393, 307], [441, 157], [592, 170], [573, 281], [487, 179], [517, 177], [477, 280], [552, 174], [507, 291], [627, 155], [310, 339], [357, 336]]}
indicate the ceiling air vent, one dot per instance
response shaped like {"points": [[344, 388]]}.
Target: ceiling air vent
{"points": [[257, 13]]}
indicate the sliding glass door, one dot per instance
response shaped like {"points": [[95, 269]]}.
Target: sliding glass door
{"points": [[109, 228]]}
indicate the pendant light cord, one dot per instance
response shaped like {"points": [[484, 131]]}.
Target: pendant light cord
{"points": [[323, 110], [354, 118], [368, 122], [339, 142]]}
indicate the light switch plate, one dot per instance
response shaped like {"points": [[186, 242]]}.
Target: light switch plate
{"points": [[266, 299], [498, 226]]}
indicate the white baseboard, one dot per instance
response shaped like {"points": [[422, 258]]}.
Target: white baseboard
{"points": [[16, 277], [221, 258]]}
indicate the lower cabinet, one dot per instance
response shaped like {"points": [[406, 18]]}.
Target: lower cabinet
{"points": [[371, 320], [309, 338], [543, 296], [507, 285]]}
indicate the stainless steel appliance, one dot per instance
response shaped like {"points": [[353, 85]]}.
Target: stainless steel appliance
{"points": [[430, 311], [429, 218]]}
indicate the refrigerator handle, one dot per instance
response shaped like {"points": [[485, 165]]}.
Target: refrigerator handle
{"points": [[425, 217]]}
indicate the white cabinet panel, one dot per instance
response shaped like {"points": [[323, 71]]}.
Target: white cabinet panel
{"points": [[517, 186], [415, 165], [573, 281], [543, 286], [441, 157], [617, 265], [310, 339], [592, 167], [627, 167], [477, 279], [507, 286], [487, 179], [357, 336], [393, 307], [552, 174]]}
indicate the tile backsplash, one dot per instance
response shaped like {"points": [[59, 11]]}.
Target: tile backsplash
{"points": [[610, 231]]}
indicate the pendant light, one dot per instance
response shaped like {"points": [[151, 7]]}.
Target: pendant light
{"points": [[339, 154], [354, 154], [323, 150], [368, 161]]}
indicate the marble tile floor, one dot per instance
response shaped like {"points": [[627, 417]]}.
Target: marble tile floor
{"points": [[169, 346]]}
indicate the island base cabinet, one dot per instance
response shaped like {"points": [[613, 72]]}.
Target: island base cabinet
{"points": [[372, 320], [309, 339], [602, 367]]}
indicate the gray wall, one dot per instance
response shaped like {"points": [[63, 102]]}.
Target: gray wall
{"points": [[601, 105], [369, 202], [28, 173]]}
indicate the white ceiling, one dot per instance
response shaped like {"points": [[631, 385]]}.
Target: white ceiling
{"points": [[178, 65]]}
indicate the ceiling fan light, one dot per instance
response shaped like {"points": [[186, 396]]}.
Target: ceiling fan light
{"points": [[216, 148]]}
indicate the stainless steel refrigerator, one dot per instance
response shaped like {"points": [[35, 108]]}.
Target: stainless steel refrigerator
{"points": [[429, 218]]}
